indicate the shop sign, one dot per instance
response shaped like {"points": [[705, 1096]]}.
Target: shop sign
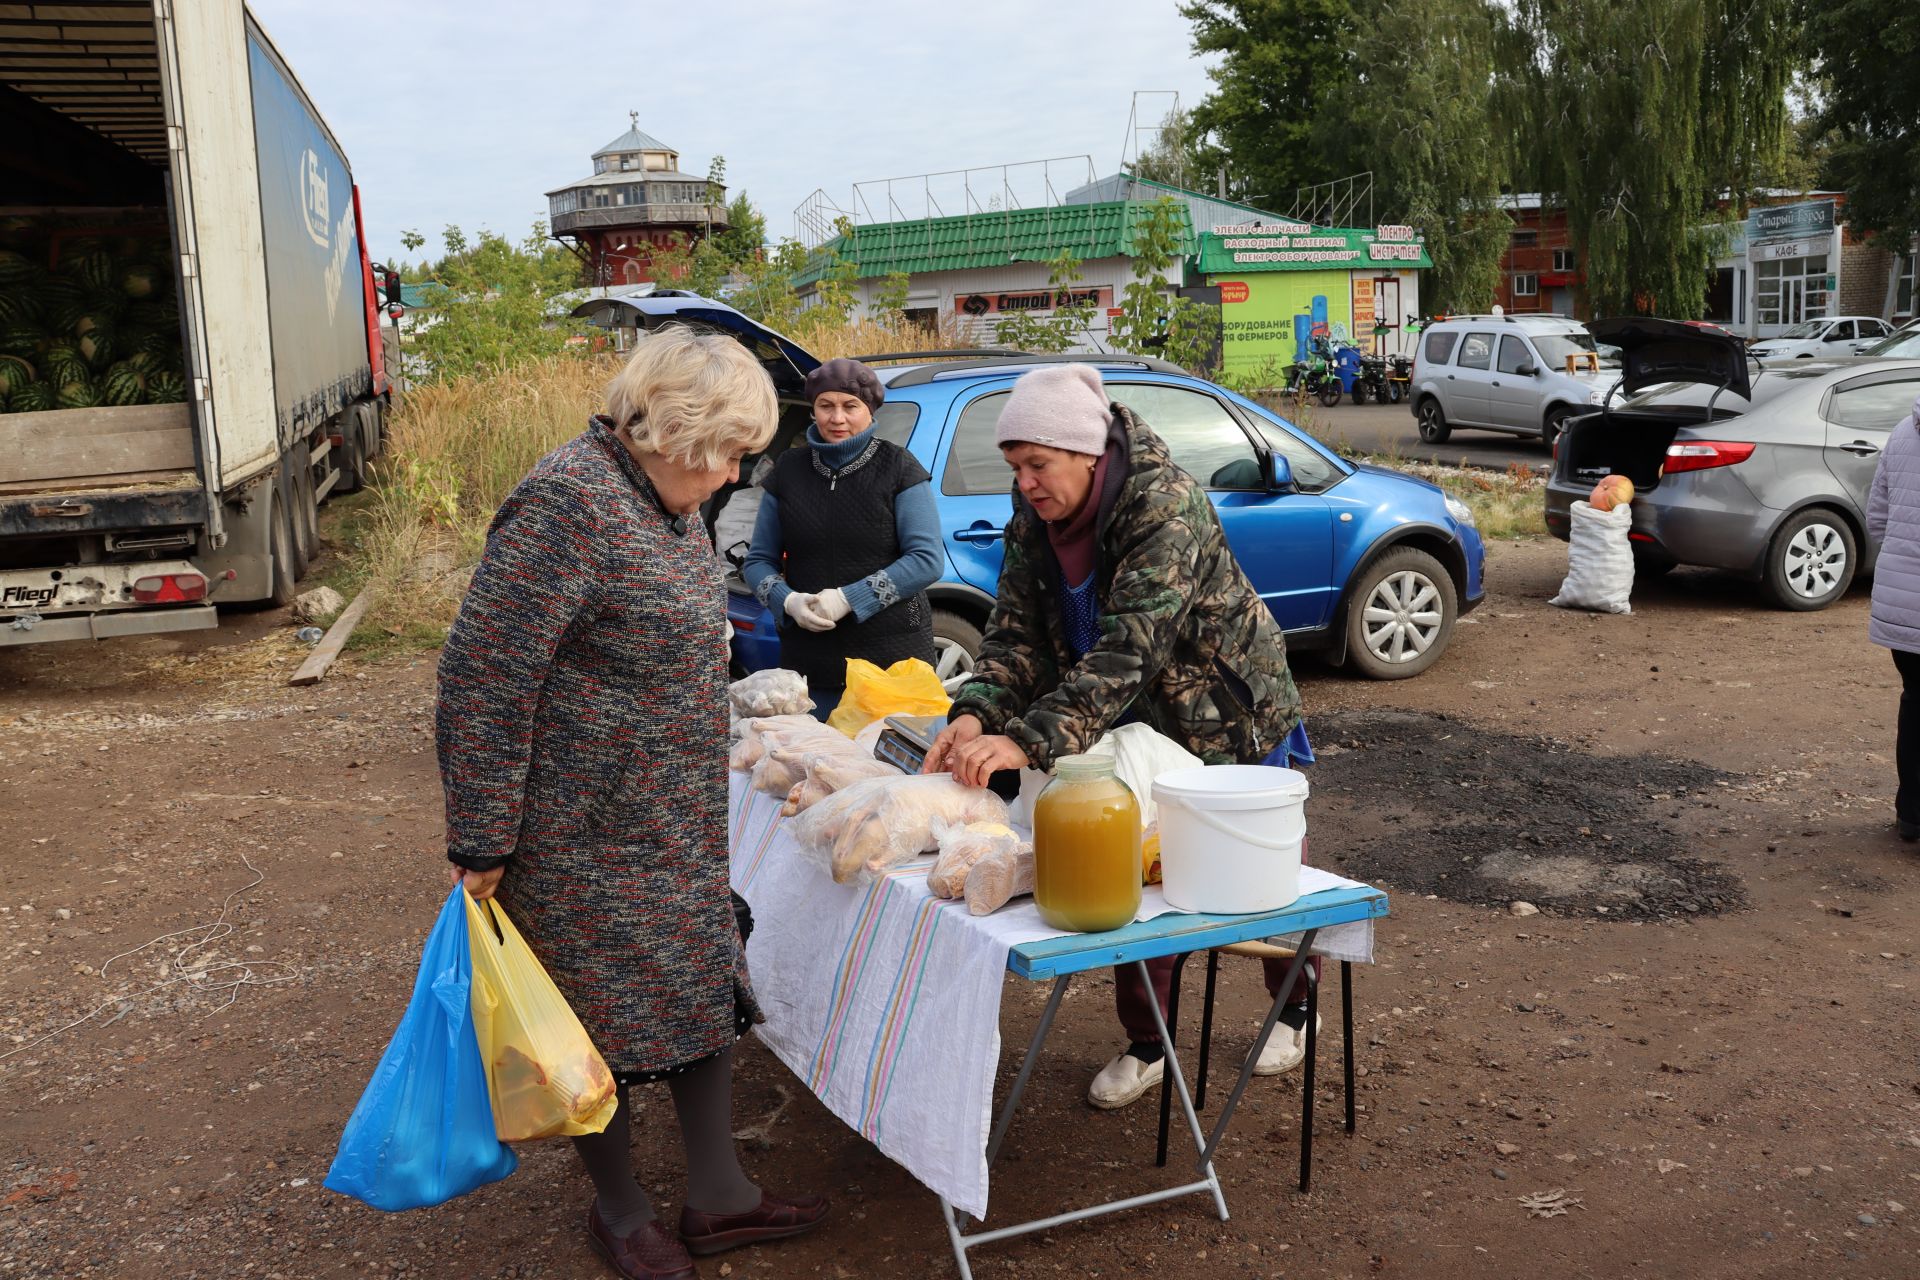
{"points": [[1790, 249], [1234, 291], [1282, 248], [984, 304], [1790, 221]]}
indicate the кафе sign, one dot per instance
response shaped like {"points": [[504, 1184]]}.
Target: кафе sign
{"points": [[985, 304]]}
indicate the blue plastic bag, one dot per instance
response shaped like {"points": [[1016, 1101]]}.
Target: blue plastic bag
{"points": [[423, 1132]]}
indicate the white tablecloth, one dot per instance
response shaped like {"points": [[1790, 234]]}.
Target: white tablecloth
{"points": [[885, 1000]]}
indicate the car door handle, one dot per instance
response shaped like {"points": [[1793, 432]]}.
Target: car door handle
{"points": [[979, 533], [1861, 449]]}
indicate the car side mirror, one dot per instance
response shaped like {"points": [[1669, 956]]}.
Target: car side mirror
{"points": [[1529, 370], [1279, 474]]}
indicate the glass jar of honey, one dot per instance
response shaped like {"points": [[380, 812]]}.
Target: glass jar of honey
{"points": [[1086, 847]]}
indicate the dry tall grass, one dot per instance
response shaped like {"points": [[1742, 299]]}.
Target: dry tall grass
{"points": [[457, 448]]}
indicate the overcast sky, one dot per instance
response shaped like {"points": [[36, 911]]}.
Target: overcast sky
{"points": [[469, 112]]}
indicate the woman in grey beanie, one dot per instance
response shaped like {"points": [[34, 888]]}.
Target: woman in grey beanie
{"points": [[847, 540]]}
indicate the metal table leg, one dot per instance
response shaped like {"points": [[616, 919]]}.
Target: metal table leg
{"points": [[1166, 1085], [1346, 1031], [1306, 1085], [1206, 1031], [962, 1242], [1259, 1042]]}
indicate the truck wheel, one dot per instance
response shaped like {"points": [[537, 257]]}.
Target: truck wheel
{"points": [[285, 578], [303, 508], [353, 452]]}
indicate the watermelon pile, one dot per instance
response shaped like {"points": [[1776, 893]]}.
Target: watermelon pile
{"points": [[88, 315]]}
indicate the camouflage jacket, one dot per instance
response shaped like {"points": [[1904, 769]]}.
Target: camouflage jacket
{"points": [[1186, 643]]}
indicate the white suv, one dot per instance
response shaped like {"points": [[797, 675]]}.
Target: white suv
{"points": [[1525, 375], [1839, 336]]}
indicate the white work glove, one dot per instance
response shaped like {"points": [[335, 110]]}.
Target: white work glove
{"points": [[832, 604], [804, 608]]}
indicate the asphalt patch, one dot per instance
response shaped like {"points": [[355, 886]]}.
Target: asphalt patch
{"points": [[1427, 804]]}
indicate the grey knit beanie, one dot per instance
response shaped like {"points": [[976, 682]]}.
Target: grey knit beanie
{"points": [[1063, 406], [848, 376]]}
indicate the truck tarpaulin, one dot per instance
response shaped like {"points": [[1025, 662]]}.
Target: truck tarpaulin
{"points": [[315, 287]]}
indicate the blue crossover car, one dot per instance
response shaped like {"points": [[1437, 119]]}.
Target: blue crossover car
{"points": [[1369, 565]]}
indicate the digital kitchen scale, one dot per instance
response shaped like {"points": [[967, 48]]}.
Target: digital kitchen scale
{"points": [[905, 741]]}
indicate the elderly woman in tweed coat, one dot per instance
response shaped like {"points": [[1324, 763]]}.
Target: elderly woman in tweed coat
{"points": [[582, 731]]}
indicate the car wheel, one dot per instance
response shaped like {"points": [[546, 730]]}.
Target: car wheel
{"points": [[1811, 561], [1433, 423], [1554, 423], [956, 646], [1330, 393], [1400, 615]]}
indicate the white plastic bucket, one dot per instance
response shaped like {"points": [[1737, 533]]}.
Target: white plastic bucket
{"points": [[1230, 837]]}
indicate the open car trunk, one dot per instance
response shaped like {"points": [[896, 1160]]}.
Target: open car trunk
{"points": [[1702, 377]]}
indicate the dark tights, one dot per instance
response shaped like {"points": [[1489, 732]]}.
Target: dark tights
{"points": [[703, 1100]]}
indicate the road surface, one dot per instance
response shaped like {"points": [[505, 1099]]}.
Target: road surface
{"points": [[1389, 429]]}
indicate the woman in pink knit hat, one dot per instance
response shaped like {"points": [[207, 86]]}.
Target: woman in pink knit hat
{"points": [[1120, 601]]}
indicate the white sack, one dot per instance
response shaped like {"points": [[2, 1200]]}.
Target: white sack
{"points": [[1599, 561]]}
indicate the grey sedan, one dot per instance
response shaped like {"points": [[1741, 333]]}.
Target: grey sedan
{"points": [[1758, 469]]}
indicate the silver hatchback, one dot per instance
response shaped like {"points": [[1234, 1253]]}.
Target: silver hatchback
{"points": [[1762, 470]]}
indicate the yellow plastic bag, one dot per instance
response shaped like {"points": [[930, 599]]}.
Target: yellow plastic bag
{"points": [[907, 688], [544, 1076]]}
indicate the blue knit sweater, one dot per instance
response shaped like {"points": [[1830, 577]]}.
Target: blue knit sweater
{"points": [[916, 524]]}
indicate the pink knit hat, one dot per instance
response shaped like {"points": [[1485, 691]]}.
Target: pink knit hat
{"points": [[1063, 406]]}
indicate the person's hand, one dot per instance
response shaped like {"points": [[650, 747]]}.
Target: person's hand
{"points": [[804, 608], [832, 604], [480, 884], [972, 764], [958, 733]]}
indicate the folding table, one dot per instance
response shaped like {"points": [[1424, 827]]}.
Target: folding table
{"points": [[1059, 958]]}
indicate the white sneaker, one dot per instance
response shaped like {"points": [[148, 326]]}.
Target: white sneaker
{"points": [[1285, 1049], [1123, 1080]]}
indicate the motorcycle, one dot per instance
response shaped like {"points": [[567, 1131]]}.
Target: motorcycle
{"points": [[1314, 376]]}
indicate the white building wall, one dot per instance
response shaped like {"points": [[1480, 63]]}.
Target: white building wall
{"points": [[943, 291]]}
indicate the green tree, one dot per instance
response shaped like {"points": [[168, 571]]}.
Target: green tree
{"points": [[1644, 113], [1866, 54], [1153, 319], [1181, 155], [498, 307], [1280, 62], [1419, 113], [745, 238], [891, 302], [1059, 331]]}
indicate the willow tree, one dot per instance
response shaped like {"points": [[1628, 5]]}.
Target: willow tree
{"points": [[1419, 113], [1652, 120]]}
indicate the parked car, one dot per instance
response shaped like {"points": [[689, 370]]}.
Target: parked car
{"points": [[1761, 470], [1515, 374], [1904, 341], [1370, 566], [1838, 336]]}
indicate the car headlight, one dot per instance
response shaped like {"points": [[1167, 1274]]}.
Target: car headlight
{"points": [[1460, 511], [1597, 396]]}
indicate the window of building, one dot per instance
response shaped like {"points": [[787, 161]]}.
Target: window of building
{"points": [[1439, 347], [1525, 239], [1563, 260], [1903, 272], [632, 272], [1477, 351], [1526, 286]]}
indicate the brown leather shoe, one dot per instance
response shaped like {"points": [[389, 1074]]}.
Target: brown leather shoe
{"points": [[777, 1218], [650, 1253]]}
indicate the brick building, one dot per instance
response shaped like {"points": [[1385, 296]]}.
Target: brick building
{"points": [[1792, 259]]}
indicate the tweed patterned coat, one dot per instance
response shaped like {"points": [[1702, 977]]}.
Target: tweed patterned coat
{"points": [[582, 730]]}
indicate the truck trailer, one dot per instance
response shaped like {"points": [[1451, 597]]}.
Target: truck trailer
{"points": [[190, 347]]}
